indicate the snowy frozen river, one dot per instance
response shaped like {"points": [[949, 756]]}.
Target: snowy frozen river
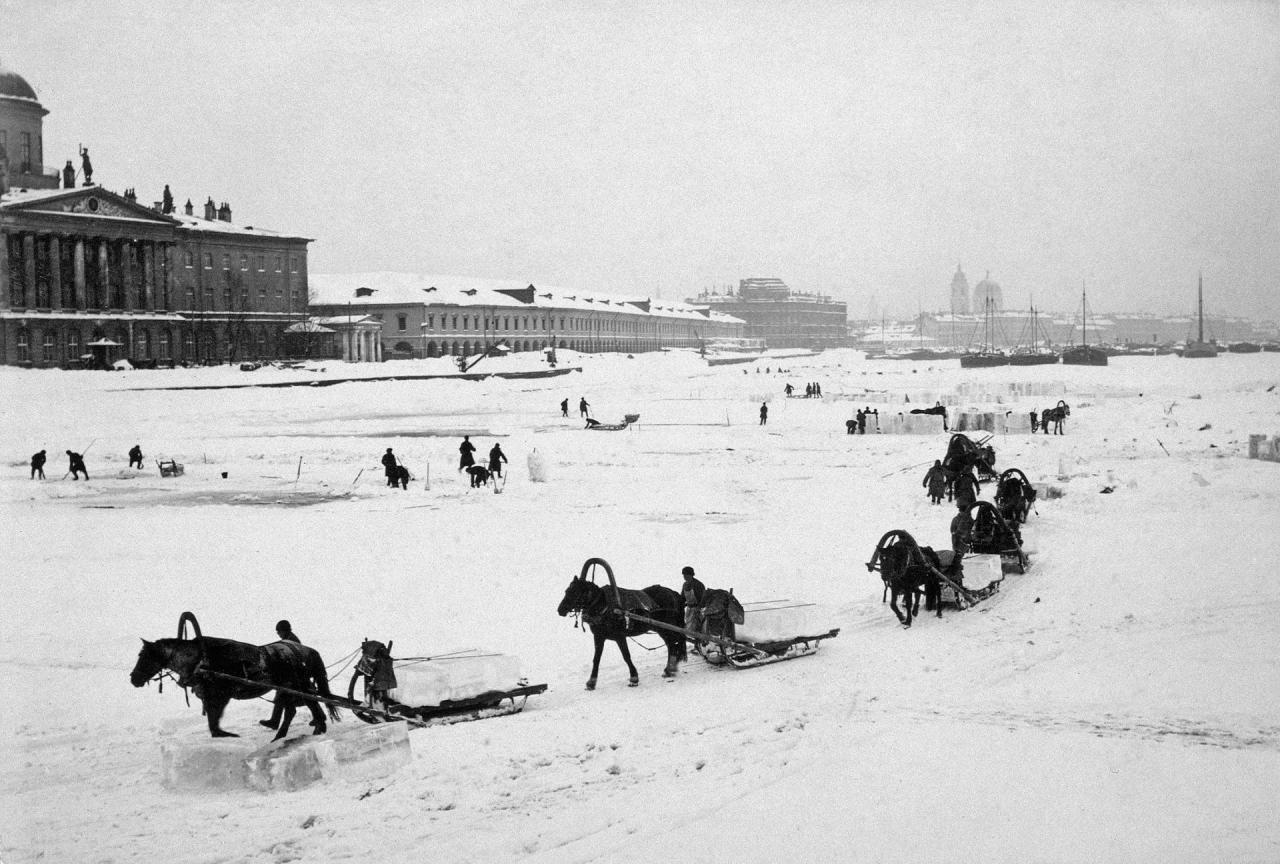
{"points": [[1118, 702]]}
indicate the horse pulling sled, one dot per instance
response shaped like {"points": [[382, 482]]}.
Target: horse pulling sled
{"points": [[992, 534], [910, 570], [434, 691], [616, 613]]}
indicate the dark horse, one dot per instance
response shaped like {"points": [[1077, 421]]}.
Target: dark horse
{"points": [[909, 570], [199, 662], [1055, 416], [603, 609], [1014, 496], [720, 612]]}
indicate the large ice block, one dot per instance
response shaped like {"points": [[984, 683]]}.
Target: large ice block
{"points": [[355, 751], [431, 682], [782, 623], [911, 424], [210, 764], [981, 570]]}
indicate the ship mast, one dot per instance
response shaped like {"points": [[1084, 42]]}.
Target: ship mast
{"points": [[1200, 304]]}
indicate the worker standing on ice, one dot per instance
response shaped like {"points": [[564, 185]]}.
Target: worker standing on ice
{"points": [[583, 406], [496, 458], [466, 448], [692, 591], [37, 464], [284, 633], [764, 413], [936, 481], [389, 466], [564, 407], [135, 456]]}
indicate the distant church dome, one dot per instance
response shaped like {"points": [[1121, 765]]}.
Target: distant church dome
{"points": [[14, 86], [959, 293], [984, 290]]}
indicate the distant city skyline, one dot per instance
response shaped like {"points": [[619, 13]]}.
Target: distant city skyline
{"points": [[856, 150]]}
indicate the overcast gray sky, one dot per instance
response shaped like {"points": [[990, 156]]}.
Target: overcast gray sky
{"points": [[860, 149]]}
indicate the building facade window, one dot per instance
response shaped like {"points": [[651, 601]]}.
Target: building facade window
{"points": [[24, 345], [402, 323], [293, 264], [262, 263], [278, 265], [188, 259], [208, 260], [165, 351], [49, 346], [226, 296], [25, 153], [431, 322], [244, 263], [226, 262], [73, 345]]}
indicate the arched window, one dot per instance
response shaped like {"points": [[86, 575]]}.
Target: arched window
{"points": [[432, 350], [466, 346]]}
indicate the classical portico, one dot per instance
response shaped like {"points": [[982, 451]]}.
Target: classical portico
{"points": [[82, 264]]}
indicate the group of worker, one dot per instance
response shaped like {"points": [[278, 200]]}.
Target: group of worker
{"points": [[75, 463]]}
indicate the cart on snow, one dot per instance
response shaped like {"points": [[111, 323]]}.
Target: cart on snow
{"points": [[737, 634], [992, 534], [983, 571], [436, 690], [627, 420], [169, 468]]}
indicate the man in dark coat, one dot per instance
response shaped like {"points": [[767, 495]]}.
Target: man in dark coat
{"points": [[692, 591], [284, 633], [135, 456], [1044, 422], [583, 405], [936, 481], [965, 489], [389, 464], [788, 389], [1034, 422], [961, 530], [764, 413], [37, 465], [76, 465], [862, 421], [564, 407], [496, 458], [466, 448]]}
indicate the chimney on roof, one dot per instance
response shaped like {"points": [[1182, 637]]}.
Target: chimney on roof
{"points": [[130, 194], [190, 208], [224, 212], [210, 211], [68, 176]]}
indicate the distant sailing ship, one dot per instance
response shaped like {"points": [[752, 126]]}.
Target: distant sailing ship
{"points": [[1033, 355], [1200, 348], [987, 354], [1084, 354]]}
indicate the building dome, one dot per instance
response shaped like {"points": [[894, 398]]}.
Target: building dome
{"points": [[14, 86], [959, 293], [987, 290]]}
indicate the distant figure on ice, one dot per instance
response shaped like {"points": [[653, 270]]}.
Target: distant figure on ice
{"points": [[850, 427], [76, 465], [496, 458], [37, 465], [808, 391], [479, 476], [862, 421], [400, 476], [583, 406], [764, 413], [1034, 422], [693, 589], [564, 407], [961, 530], [859, 422], [389, 465], [135, 456], [936, 482], [1044, 422], [591, 422], [788, 389], [817, 389], [284, 633], [466, 448], [965, 489]]}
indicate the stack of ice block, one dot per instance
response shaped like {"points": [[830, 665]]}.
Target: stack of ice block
{"points": [[431, 682], [981, 570], [783, 622]]}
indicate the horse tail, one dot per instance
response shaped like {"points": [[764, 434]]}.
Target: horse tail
{"points": [[315, 666]]}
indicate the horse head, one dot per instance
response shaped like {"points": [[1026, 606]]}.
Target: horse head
{"points": [[151, 659], [577, 596]]}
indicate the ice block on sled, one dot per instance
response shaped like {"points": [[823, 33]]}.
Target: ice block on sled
{"points": [[783, 623], [981, 570], [431, 682]]}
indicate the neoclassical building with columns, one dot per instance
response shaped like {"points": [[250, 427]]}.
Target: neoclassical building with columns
{"points": [[90, 273]]}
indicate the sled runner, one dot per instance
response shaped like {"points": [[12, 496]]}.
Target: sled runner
{"points": [[433, 691]]}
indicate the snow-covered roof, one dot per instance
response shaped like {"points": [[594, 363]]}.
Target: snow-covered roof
{"points": [[196, 223], [409, 289]]}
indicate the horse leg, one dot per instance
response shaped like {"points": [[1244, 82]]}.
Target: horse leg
{"points": [[214, 705], [674, 644], [290, 709], [317, 717], [595, 660], [893, 604], [634, 681]]}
